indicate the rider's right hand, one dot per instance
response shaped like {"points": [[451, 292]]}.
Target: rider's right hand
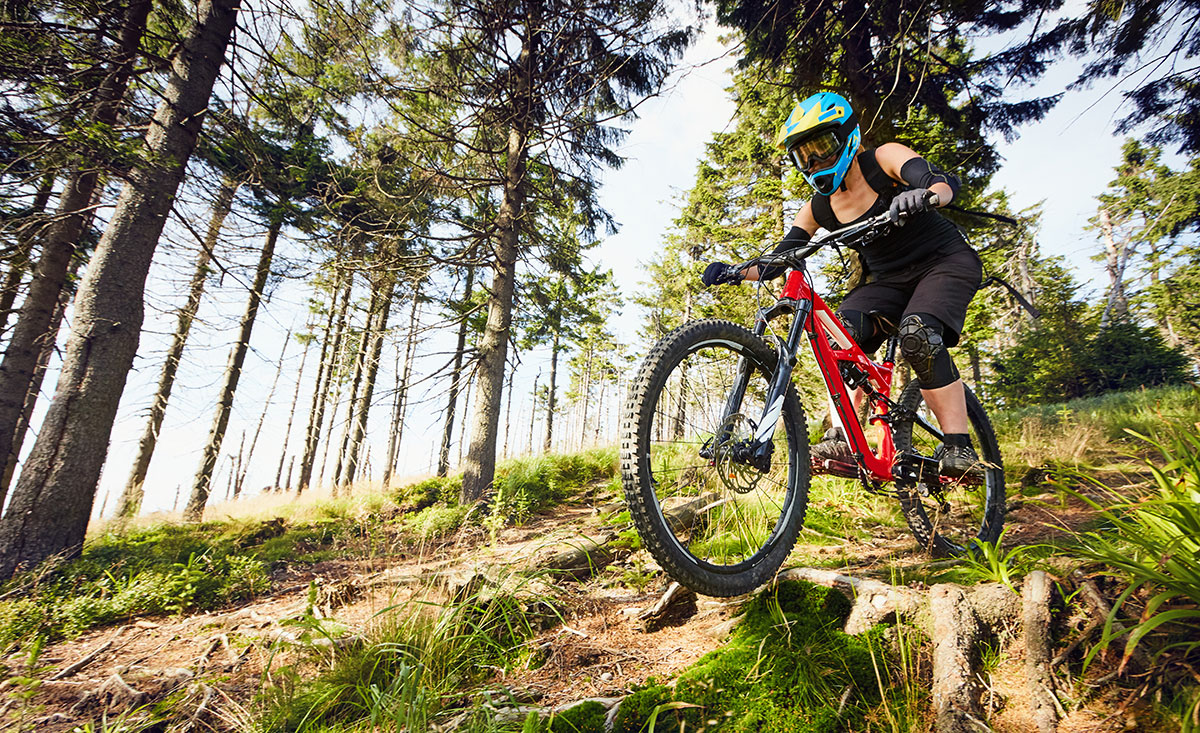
{"points": [[718, 272]]}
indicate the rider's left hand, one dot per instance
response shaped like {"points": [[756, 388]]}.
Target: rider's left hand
{"points": [[718, 272], [907, 203]]}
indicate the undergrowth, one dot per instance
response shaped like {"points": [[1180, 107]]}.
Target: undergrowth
{"points": [[178, 568], [410, 672]]}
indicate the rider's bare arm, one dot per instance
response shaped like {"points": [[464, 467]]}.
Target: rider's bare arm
{"points": [[892, 157], [805, 221]]}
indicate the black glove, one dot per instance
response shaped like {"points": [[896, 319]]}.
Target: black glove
{"points": [[909, 202], [719, 272]]}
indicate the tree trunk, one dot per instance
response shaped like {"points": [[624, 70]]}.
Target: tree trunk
{"points": [[1116, 255], [325, 371], [236, 474], [479, 469], [74, 212], [35, 388], [397, 432], [443, 466], [201, 485], [50, 507], [287, 432], [364, 410], [533, 410], [550, 398], [360, 360], [244, 468], [26, 235], [508, 411], [131, 498]]}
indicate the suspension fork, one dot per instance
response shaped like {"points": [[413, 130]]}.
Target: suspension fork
{"points": [[785, 362]]}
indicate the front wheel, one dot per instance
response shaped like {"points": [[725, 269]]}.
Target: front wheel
{"points": [[949, 517], [717, 522]]}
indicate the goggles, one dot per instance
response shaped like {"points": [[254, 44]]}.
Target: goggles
{"points": [[819, 148]]}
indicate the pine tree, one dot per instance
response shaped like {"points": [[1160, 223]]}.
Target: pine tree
{"points": [[52, 501]]}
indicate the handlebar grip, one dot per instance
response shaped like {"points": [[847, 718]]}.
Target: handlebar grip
{"points": [[933, 199]]}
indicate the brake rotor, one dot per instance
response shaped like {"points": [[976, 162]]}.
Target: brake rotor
{"points": [[736, 473]]}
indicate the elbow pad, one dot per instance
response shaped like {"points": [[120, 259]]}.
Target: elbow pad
{"points": [[923, 174], [793, 239]]}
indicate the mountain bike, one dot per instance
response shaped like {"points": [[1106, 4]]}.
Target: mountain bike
{"points": [[714, 448]]}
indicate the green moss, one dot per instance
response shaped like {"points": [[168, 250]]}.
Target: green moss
{"points": [[637, 707], [786, 668], [585, 718]]}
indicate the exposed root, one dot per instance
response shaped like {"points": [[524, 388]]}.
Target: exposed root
{"points": [[82, 662], [955, 631], [677, 603], [1036, 617], [874, 601]]}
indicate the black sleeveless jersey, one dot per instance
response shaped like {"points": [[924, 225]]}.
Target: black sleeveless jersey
{"points": [[926, 235]]}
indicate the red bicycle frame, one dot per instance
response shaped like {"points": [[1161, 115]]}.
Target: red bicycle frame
{"points": [[819, 320]]}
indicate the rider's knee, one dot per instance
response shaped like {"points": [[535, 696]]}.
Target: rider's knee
{"points": [[923, 346]]}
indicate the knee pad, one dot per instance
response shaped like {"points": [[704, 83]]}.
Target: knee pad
{"points": [[923, 347]]}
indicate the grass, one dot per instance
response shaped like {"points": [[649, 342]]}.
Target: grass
{"points": [[157, 567], [1074, 432], [410, 672]]}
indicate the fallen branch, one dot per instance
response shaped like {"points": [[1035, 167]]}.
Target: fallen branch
{"points": [[82, 662]]}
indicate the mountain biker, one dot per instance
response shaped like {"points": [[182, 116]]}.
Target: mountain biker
{"points": [[923, 274]]}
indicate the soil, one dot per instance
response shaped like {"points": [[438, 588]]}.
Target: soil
{"points": [[215, 664]]}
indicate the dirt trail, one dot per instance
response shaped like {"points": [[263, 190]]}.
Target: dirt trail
{"points": [[215, 663]]}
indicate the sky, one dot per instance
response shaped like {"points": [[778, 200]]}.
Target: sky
{"points": [[1064, 161]]}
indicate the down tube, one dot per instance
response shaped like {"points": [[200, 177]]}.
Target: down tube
{"points": [[879, 468]]}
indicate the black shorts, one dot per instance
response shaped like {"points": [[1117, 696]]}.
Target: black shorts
{"points": [[942, 287]]}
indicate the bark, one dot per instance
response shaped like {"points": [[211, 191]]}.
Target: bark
{"points": [[202, 484], [26, 236], [1036, 618], [360, 359], [550, 398], [364, 409], [460, 347], [508, 411], [479, 469], [131, 498], [325, 371], [397, 432], [956, 690], [1116, 255], [51, 504], [58, 248], [287, 431], [35, 388]]}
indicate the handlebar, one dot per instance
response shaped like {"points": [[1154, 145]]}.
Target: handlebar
{"points": [[862, 231]]}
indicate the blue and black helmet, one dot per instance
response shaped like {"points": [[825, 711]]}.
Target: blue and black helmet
{"points": [[821, 137]]}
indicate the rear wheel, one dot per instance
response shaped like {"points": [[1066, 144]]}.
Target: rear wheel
{"points": [[714, 522], [949, 517]]}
